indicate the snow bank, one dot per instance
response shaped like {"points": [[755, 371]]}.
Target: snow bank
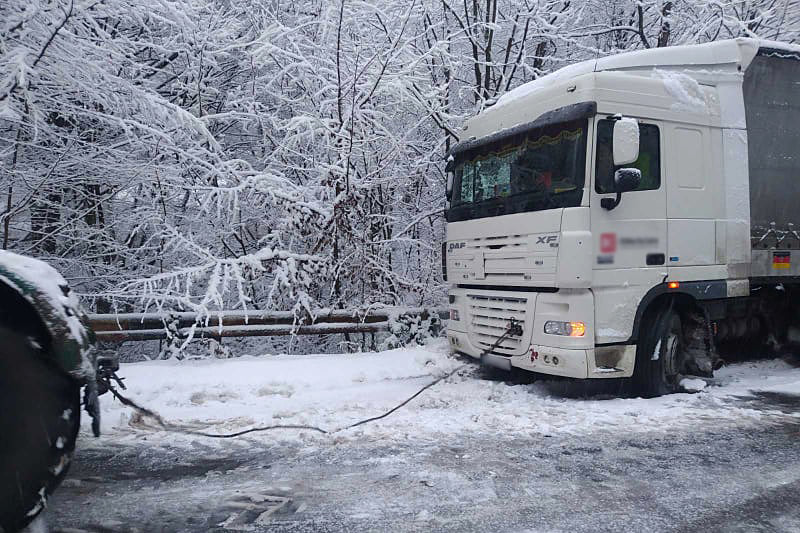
{"points": [[333, 391], [325, 390]]}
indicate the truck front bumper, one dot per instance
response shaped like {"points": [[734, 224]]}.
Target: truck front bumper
{"points": [[570, 363], [543, 359], [482, 316]]}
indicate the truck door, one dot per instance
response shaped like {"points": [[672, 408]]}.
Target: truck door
{"points": [[630, 241], [692, 202]]}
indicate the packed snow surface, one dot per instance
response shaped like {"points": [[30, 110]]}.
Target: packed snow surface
{"points": [[333, 391], [693, 384]]}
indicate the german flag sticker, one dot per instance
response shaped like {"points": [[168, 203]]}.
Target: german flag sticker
{"points": [[781, 259]]}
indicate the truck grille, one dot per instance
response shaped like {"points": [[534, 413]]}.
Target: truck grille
{"points": [[489, 318]]}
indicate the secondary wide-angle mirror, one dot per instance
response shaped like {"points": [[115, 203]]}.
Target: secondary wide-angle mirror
{"points": [[627, 179]]}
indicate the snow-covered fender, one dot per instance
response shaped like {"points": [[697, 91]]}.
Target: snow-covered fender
{"points": [[32, 290]]}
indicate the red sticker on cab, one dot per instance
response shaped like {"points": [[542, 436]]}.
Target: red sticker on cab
{"points": [[608, 243]]}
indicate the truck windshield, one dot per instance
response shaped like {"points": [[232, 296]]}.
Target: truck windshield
{"points": [[539, 169]]}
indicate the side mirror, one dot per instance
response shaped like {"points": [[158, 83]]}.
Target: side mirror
{"points": [[626, 141], [449, 169], [625, 180], [448, 188]]}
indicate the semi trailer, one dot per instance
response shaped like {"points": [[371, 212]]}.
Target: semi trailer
{"points": [[633, 216]]}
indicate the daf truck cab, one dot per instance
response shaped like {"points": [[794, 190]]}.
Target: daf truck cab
{"points": [[634, 214]]}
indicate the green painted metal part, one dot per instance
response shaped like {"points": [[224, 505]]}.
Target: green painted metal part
{"points": [[46, 291]]}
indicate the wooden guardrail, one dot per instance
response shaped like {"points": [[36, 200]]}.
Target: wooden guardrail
{"points": [[123, 327]]}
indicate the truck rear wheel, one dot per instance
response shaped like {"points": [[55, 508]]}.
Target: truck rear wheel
{"points": [[659, 355], [39, 422]]}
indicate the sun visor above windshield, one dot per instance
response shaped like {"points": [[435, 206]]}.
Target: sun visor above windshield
{"points": [[556, 116]]}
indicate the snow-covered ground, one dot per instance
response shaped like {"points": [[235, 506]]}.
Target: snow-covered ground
{"points": [[473, 453], [333, 391]]}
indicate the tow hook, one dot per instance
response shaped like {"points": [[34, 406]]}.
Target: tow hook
{"points": [[107, 366]]}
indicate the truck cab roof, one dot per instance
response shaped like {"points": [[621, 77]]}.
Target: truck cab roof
{"points": [[675, 82]]}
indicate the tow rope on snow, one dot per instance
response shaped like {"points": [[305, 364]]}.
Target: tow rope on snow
{"points": [[176, 428], [514, 328]]}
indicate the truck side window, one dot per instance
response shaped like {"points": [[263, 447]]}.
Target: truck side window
{"points": [[649, 161]]}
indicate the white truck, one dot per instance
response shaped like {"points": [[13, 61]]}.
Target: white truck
{"points": [[637, 215]]}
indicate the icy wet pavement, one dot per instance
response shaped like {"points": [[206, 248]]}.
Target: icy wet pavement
{"points": [[473, 454], [702, 480]]}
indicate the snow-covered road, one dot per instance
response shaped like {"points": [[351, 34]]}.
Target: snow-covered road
{"points": [[472, 453]]}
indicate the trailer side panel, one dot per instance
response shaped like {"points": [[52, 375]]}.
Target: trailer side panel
{"points": [[772, 110]]}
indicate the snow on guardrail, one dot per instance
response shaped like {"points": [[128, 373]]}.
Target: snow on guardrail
{"points": [[159, 326]]}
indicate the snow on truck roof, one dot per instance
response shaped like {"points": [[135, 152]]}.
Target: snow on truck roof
{"points": [[732, 51], [689, 63]]}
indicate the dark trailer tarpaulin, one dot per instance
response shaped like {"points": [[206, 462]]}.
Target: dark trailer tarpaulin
{"points": [[772, 111]]}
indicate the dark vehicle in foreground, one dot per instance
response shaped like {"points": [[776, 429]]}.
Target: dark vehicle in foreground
{"points": [[46, 358]]}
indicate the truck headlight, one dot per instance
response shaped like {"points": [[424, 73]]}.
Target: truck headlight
{"points": [[567, 329], [454, 315]]}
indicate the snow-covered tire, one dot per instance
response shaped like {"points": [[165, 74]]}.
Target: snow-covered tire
{"points": [[39, 422], [659, 354]]}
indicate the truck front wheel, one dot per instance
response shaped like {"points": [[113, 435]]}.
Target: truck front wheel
{"points": [[39, 421], [660, 355]]}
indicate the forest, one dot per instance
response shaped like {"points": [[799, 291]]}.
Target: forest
{"points": [[278, 155]]}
